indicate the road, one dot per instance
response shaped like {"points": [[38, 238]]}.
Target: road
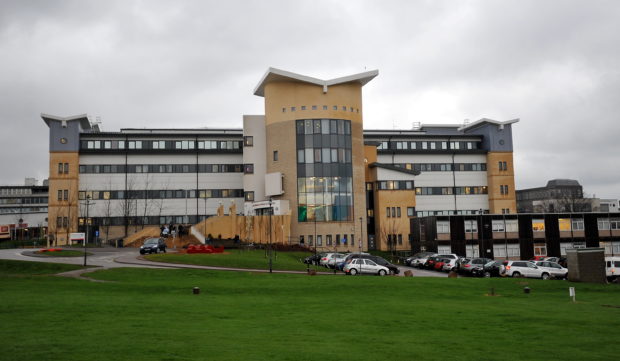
{"points": [[129, 257]]}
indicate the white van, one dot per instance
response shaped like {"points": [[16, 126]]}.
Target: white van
{"points": [[612, 267]]}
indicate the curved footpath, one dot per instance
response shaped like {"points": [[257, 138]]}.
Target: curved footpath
{"points": [[105, 258]]}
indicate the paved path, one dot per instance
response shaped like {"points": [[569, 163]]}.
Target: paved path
{"points": [[129, 257]]}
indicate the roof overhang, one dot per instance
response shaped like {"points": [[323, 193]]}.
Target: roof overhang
{"points": [[277, 75], [483, 121], [82, 118], [394, 168]]}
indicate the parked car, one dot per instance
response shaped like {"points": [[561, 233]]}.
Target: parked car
{"points": [[430, 261], [340, 265], [525, 269], [538, 258], [491, 269], [325, 259], [553, 268], [450, 264], [473, 265], [392, 268], [612, 268], [418, 259], [439, 264], [313, 259], [360, 266], [334, 258], [153, 245]]}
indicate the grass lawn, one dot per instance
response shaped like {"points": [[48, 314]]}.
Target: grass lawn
{"points": [[252, 259], [64, 253], [151, 314]]}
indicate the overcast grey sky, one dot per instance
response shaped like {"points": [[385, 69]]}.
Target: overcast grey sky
{"points": [[553, 64]]}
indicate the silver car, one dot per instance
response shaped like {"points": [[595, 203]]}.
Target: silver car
{"points": [[360, 265], [553, 268], [525, 269]]}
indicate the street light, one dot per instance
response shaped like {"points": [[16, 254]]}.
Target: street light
{"points": [[87, 204], [270, 231]]}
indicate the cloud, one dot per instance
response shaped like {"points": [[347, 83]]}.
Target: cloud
{"points": [[553, 64]]}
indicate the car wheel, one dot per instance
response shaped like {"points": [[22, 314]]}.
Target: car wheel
{"points": [[545, 276], [382, 272], [353, 271], [516, 274], [487, 274], [155, 250]]}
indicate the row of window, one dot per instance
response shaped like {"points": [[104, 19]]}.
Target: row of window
{"points": [[503, 189], [538, 225], [63, 195], [394, 239], [426, 145], [324, 107], [25, 200], [449, 212], [392, 212], [337, 240], [393, 185], [162, 144], [15, 191], [323, 155], [443, 167], [438, 191], [323, 126], [161, 168], [161, 194], [513, 250], [502, 165], [20, 210]]}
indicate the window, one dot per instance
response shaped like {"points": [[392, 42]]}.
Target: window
{"points": [[249, 196], [603, 224], [387, 211], [319, 240], [397, 211], [60, 168], [275, 155], [410, 211], [444, 249], [301, 239], [292, 109], [578, 224], [400, 239], [248, 141], [303, 107], [443, 227], [471, 226], [65, 222], [310, 240], [314, 107], [538, 225], [393, 211], [59, 222], [283, 110], [248, 168], [498, 225], [540, 249], [328, 240]]}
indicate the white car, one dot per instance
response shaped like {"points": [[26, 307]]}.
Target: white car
{"points": [[334, 259], [612, 267], [325, 259], [449, 264], [553, 268], [525, 269], [360, 265]]}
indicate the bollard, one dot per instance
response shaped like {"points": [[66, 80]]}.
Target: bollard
{"points": [[526, 290], [196, 290], [408, 273]]}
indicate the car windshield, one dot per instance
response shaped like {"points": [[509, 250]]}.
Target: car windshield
{"points": [[151, 241]]}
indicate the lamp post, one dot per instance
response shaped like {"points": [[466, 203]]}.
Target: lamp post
{"points": [[270, 231], [87, 204], [204, 224], [481, 235], [505, 236], [361, 233]]}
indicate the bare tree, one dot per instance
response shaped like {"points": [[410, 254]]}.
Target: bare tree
{"points": [[388, 231], [127, 205], [107, 210]]}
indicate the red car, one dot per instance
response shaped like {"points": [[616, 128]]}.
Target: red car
{"points": [[439, 264], [538, 258]]}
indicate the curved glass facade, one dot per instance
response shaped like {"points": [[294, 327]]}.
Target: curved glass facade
{"points": [[324, 170]]}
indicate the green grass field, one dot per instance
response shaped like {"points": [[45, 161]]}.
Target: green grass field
{"points": [[253, 259], [64, 253], [151, 314]]}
